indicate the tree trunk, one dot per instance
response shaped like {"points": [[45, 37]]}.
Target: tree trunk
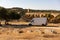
{"points": [[6, 23], [0, 24]]}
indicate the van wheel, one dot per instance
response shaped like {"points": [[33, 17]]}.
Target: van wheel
{"points": [[0, 24], [30, 24], [43, 25]]}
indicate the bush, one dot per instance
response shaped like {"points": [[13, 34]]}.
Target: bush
{"points": [[20, 31]]}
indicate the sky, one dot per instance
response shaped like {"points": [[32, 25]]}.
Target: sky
{"points": [[32, 4]]}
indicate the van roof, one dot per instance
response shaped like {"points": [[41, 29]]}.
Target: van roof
{"points": [[41, 17]]}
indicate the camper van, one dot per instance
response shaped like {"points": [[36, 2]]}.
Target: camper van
{"points": [[38, 21]]}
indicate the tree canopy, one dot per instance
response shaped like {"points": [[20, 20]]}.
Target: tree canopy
{"points": [[6, 14]]}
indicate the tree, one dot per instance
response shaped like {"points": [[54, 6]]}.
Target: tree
{"points": [[14, 15], [3, 13], [22, 13]]}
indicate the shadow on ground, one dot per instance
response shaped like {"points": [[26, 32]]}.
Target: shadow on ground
{"points": [[23, 26]]}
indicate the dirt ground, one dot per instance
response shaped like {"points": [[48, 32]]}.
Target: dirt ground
{"points": [[30, 33], [26, 23], [24, 32]]}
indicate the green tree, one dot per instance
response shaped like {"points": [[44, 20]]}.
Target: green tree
{"points": [[14, 15], [3, 13]]}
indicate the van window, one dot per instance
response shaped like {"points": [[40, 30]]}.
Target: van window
{"points": [[32, 20]]}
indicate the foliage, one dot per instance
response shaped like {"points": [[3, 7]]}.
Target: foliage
{"points": [[3, 13], [14, 15], [10, 14]]}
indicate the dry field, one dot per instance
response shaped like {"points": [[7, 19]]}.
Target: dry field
{"points": [[26, 23], [51, 32]]}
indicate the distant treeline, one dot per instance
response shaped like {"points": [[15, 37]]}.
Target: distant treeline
{"points": [[16, 13], [31, 10]]}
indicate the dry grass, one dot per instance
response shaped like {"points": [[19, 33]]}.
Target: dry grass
{"points": [[49, 32], [29, 33]]}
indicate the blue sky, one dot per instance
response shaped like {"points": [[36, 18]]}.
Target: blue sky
{"points": [[32, 4]]}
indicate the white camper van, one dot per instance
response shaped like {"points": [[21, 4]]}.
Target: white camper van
{"points": [[39, 21]]}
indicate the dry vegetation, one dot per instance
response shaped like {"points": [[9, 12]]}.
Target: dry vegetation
{"points": [[49, 32], [15, 30], [30, 33], [51, 18]]}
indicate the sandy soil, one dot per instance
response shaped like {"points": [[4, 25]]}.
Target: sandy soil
{"points": [[26, 23], [49, 32], [30, 33]]}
